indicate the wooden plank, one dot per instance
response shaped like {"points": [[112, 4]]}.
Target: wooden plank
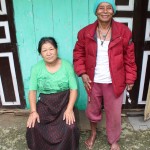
{"points": [[16, 112], [43, 18], [92, 16], [80, 20], [79, 16], [147, 106], [25, 32], [62, 19]]}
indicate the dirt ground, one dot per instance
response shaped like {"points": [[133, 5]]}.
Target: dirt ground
{"points": [[13, 128]]}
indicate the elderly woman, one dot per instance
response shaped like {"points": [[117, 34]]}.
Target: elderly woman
{"points": [[104, 58], [51, 123]]}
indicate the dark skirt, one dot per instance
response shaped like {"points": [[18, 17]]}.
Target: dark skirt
{"points": [[52, 133]]}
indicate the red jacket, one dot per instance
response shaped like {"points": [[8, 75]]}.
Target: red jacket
{"points": [[120, 51]]}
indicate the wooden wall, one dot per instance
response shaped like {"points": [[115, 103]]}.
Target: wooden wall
{"points": [[63, 19], [60, 19]]}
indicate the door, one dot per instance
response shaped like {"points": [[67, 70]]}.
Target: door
{"points": [[11, 85], [136, 15], [145, 53]]}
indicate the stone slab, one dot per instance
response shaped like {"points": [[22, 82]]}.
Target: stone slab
{"points": [[138, 123]]}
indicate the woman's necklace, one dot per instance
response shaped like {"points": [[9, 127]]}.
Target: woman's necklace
{"points": [[103, 35]]}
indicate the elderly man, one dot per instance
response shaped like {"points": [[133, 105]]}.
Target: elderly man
{"points": [[104, 58]]}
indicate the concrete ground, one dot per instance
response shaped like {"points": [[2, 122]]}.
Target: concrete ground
{"points": [[13, 128]]}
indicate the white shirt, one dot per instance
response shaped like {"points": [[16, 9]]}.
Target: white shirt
{"points": [[102, 72]]}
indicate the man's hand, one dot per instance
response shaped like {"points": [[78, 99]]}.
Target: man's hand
{"points": [[129, 87], [86, 81]]}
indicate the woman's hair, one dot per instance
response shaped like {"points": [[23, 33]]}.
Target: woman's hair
{"points": [[44, 40]]}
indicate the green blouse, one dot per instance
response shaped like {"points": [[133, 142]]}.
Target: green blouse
{"points": [[45, 82]]}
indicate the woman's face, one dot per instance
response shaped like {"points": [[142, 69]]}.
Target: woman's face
{"points": [[104, 12], [49, 52]]}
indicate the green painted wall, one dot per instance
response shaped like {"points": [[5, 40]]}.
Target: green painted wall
{"points": [[60, 19]]}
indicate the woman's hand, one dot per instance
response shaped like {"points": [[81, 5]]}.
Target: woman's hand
{"points": [[33, 117], [69, 116], [86, 80]]}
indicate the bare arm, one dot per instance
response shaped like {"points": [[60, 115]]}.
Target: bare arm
{"points": [[69, 114], [33, 114], [32, 99]]}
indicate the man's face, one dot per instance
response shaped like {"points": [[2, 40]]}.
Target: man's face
{"points": [[104, 12]]}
